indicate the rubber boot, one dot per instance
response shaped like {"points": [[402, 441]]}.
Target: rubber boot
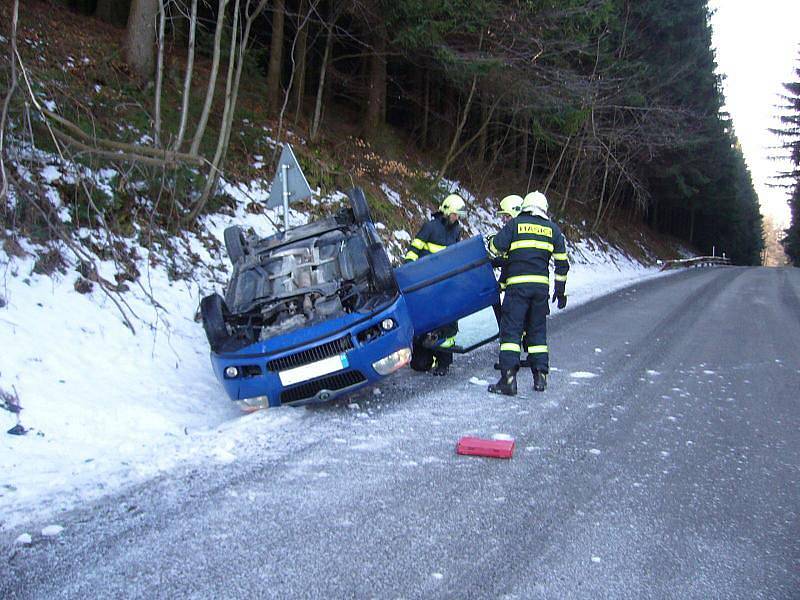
{"points": [[507, 384], [440, 370], [539, 380], [441, 364]]}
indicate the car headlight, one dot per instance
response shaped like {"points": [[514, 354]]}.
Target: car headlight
{"points": [[390, 364], [231, 372], [253, 404], [387, 324]]}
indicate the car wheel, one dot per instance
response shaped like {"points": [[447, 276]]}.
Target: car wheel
{"points": [[213, 311], [382, 272], [358, 202], [235, 243]]}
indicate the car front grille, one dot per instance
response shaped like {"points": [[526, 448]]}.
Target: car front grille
{"points": [[306, 357], [338, 381]]}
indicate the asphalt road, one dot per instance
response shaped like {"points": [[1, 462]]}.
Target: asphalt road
{"points": [[675, 473]]}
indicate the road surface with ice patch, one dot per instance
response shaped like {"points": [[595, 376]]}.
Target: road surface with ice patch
{"points": [[664, 465]]}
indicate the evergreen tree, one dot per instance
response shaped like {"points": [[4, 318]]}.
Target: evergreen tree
{"points": [[790, 131]]}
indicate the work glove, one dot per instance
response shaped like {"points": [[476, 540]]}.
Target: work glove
{"points": [[560, 294]]}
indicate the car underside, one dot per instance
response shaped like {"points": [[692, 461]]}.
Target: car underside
{"points": [[298, 278]]}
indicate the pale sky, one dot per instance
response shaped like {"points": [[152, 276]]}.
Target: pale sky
{"points": [[757, 44]]}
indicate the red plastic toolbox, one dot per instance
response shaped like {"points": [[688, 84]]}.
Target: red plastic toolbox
{"points": [[491, 448]]}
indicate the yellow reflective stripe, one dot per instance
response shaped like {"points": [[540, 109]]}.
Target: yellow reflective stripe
{"points": [[539, 245], [411, 255], [419, 244], [559, 256], [537, 349], [435, 247], [448, 343], [508, 347], [528, 279], [492, 248], [561, 277]]}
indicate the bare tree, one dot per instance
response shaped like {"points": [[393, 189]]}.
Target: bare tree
{"points": [[299, 58], [7, 100], [212, 79], [334, 15], [162, 19], [237, 57], [187, 81]]}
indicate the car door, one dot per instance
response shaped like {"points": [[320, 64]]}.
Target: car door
{"points": [[447, 286]]}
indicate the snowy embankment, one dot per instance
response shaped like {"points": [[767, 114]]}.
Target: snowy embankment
{"points": [[105, 408]]}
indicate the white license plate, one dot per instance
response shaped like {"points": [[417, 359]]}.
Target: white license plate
{"points": [[315, 369]]}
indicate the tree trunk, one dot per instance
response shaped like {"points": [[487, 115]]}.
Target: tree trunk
{"points": [[533, 164], [523, 148], [238, 52], [113, 12], [377, 84], [299, 87], [563, 206], [213, 176], [162, 20], [187, 80], [426, 108], [457, 134], [482, 138], [141, 38], [555, 168], [323, 69], [212, 79], [602, 194], [275, 57], [12, 87]]}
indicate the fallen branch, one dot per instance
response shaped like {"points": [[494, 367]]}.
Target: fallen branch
{"points": [[111, 154], [138, 153]]}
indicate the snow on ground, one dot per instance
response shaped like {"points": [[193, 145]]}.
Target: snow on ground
{"points": [[105, 408]]}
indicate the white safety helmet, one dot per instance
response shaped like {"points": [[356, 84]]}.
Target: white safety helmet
{"points": [[510, 205], [535, 203], [453, 204]]}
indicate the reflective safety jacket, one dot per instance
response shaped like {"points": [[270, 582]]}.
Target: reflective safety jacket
{"points": [[437, 234], [528, 242]]}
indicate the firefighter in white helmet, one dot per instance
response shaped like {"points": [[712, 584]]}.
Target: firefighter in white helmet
{"points": [[441, 231], [509, 209], [529, 240]]}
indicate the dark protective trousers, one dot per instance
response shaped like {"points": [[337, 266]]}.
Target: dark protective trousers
{"points": [[525, 310], [422, 357]]}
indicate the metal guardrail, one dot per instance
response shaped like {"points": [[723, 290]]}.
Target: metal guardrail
{"points": [[696, 261]]}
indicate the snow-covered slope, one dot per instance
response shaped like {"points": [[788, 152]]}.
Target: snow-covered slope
{"points": [[106, 408]]}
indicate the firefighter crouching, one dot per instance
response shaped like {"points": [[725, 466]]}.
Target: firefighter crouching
{"points": [[441, 231], [528, 241]]}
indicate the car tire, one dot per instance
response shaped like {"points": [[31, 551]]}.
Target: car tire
{"points": [[235, 244], [382, 272], [213, 311], [358, 202]]}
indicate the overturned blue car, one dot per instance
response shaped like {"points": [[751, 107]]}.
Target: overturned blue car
{"points": [[317, 311]]}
